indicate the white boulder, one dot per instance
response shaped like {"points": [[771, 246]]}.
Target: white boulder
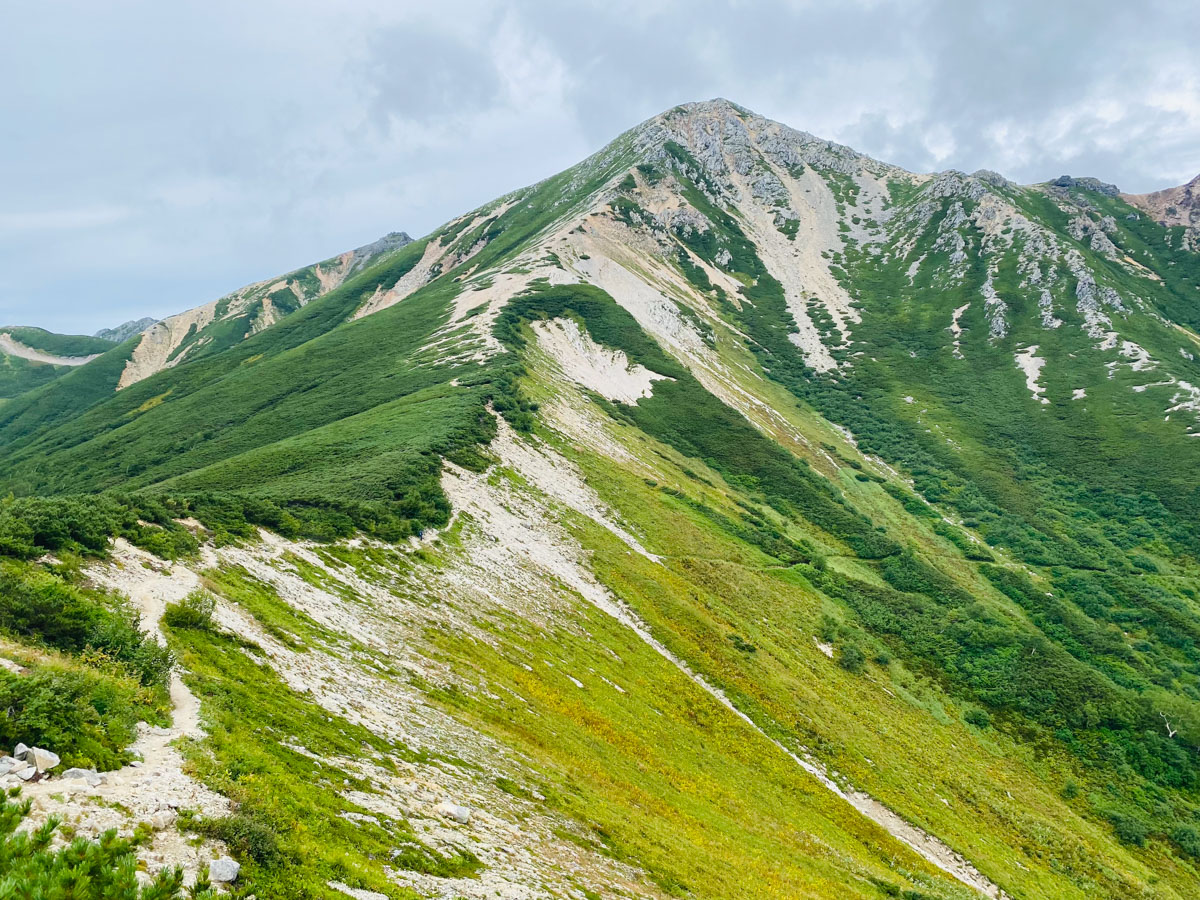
{"points": [[41, 759], [223, 870], [451, 810]]}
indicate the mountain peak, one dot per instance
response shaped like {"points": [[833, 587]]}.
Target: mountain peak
{"points": [[1086, 183], [729, 454], [125, 329], [723, 136]]}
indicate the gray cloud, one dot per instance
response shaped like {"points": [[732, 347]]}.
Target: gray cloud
{"points": [[153, 156]]}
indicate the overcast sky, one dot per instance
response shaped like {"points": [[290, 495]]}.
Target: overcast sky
{"points": [[155, 155]]}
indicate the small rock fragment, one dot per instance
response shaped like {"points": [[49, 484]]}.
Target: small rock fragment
{"points": [[451, 810], [91, 776], [223, 870]]}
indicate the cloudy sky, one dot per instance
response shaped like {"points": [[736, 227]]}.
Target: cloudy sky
{"points": [[156, 155]]}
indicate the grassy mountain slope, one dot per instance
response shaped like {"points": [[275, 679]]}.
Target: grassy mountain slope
{"points": [[31, 357], [859, 506]]}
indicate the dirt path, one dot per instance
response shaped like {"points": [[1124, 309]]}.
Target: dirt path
{"points": [[153, 788]]}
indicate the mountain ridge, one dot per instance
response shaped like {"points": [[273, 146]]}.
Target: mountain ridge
{"points": [[803, 525]]}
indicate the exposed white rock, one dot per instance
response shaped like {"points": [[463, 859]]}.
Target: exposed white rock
{"points": [[1031, 365], [606, 371], [10, 346], [157, 349], [956, 329], [89, 776], [96, 802], [223, 870], [162, 343], [43, 760], [356, 893], [456, 811], [995, 310], [408, 283]]}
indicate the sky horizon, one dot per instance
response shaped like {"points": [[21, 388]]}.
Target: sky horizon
{"points": [[157, 157]]}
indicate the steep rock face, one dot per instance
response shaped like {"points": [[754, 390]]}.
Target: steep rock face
{"points": [[1173, 207]]}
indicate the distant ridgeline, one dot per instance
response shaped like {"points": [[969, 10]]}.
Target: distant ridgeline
{"points": [[959, 416]]}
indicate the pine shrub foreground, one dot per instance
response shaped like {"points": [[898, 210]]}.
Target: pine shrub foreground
{"points": [[32, 868]]}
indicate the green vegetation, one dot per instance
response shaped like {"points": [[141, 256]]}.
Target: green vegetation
{"points": [[1010, 469], [86, 710], [193, 611], [1018, 608], [39, 605], [325, 455], [32, 526], [105, 869], [58, 344], [684, 415], [20, 376], [714, 585], [92, 674], [289, 831], [660, 775]]}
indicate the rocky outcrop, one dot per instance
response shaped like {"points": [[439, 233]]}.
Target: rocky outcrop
{"points": [[1173, 207], [125, 330], [456, 811], [1069, 182], [26, 764]]}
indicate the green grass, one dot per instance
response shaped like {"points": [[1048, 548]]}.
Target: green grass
{"points": [[712, 590], [684, 415], [288, 830], [58, 344], [662, 776], [19, 375], [1049, 653]]}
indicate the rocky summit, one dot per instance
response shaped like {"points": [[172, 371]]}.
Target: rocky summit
{"points": [[730, 515]]}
